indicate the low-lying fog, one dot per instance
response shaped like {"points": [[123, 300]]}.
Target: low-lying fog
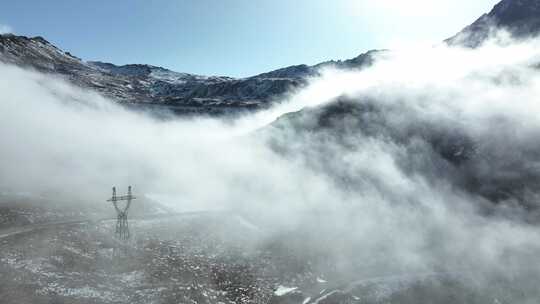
{"points": [[379, 196]]}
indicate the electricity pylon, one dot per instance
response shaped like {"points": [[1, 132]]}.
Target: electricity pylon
{"points": [[122, 227]]}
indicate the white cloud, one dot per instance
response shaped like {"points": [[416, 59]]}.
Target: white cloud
{"points": [[5, 29]]}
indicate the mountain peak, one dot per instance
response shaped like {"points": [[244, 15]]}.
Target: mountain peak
{"points": [[521, 18], [516, 13], [40, 39]]}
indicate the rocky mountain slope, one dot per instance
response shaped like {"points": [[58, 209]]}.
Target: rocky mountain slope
{"points": [[519, 17], [477, 164], [146, 85]]}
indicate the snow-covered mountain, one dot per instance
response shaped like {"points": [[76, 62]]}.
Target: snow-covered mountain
{"points": [[150, 86], [146, 85]]}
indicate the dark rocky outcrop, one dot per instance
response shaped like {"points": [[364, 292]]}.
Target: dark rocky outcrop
{"points": [[521, 18]]}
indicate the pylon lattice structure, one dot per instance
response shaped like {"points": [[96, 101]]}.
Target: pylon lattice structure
{"points": [[122, 226]]}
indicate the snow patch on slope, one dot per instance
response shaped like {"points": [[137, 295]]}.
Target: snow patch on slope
{"points": [[282, 290]]}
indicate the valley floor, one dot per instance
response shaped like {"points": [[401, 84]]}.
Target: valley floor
{"points": [[193, 258]]}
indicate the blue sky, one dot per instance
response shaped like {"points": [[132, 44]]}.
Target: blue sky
{"points": [[235, 37]]}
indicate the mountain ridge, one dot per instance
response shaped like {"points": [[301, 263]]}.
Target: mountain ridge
{"points": [[143, 85]]}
